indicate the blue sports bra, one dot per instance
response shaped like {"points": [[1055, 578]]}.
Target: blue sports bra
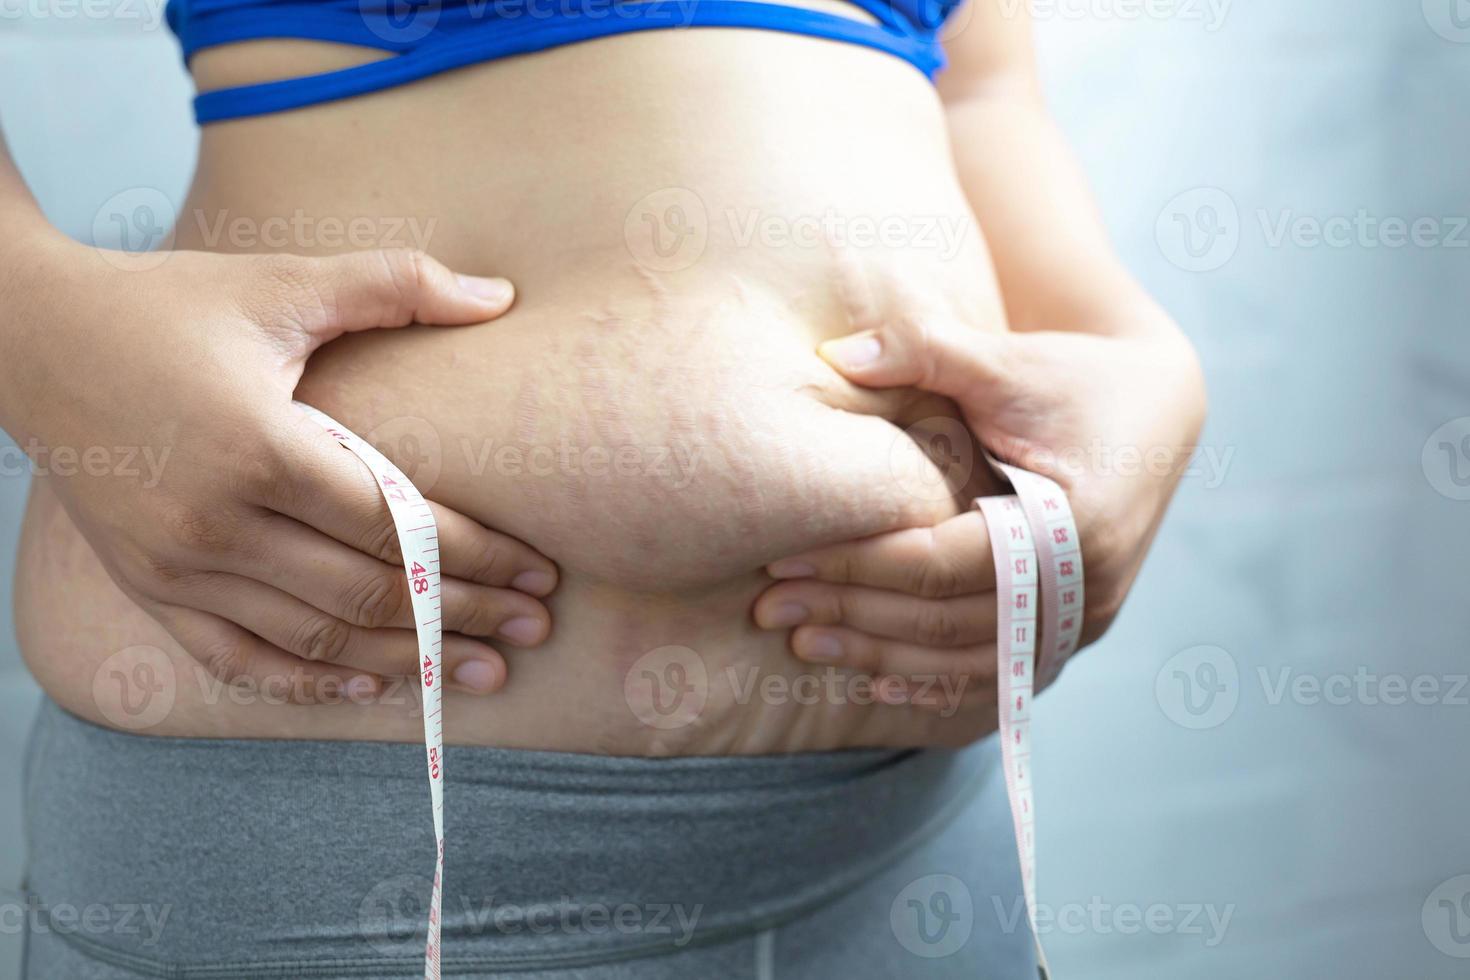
{"points": [[432, 36]]}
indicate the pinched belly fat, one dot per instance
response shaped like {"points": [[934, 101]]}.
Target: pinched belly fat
{"points": [[661, 448]]}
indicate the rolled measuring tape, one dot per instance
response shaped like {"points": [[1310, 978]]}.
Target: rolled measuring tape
{"points": [[418, 539], [1038, 560]]}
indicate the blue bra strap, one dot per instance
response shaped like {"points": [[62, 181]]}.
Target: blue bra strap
{"points": [[226, 21]]}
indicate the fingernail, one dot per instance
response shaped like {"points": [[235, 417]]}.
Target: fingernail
{"points": [[492, 290], [857, 351], [787, 614], [823, 646], [534, 583], [522, 630], [790, 568], [477, 675]]}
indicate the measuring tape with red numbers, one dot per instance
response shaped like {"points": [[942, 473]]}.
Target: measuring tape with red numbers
{"points": [[1038, 559], [418, 539]]}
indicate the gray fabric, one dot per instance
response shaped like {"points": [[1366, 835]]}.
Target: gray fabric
{"points": [[197, 858]]}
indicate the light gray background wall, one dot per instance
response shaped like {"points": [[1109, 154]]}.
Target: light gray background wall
{"points": [[1324, 540]]}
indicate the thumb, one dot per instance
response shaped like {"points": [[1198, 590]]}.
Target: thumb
{"points": [[388, 288], [942, 356]]}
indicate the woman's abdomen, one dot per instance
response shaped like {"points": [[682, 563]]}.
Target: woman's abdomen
{"points": [[652, 414]]}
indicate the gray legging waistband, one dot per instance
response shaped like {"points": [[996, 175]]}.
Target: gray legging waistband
{"points": [[266, 858]]}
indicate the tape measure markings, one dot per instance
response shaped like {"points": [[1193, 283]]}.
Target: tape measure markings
{"points": [[417, 542]]}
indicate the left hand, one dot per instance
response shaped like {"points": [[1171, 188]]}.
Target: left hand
{"points": [[1112, 419]]}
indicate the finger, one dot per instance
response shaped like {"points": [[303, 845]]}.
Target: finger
{"points": [[475, 553], [928, 676], [325, 486], [236, 656], [306, 632], [478, 610], [960, 621], [346, 584], [385, 288], [937, 354], [952, 558], [319, 482]]}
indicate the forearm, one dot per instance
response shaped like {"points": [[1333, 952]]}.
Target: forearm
{"points": [[1056, 267], [28, 267]]}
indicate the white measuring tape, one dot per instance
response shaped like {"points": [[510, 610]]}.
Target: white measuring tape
{"points": [[418, 539], [1037, 557]]}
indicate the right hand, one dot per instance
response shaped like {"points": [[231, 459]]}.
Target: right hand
{"points": [[264, 548]]}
